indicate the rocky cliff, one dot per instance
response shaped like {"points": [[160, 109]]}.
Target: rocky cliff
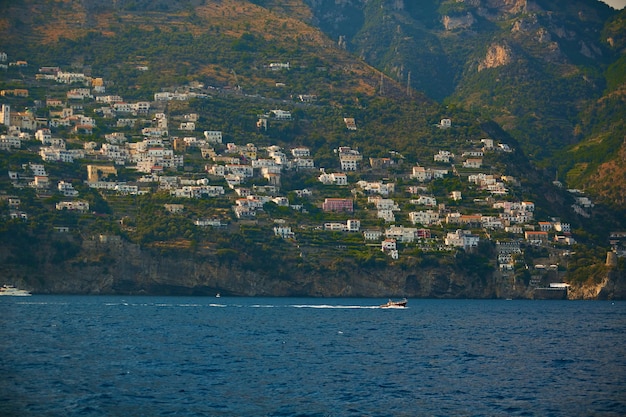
{"points": [[611, 287], [105, 265], [113, 266]]}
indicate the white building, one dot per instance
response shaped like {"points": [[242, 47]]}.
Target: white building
{"points": [[401, 233], [349, 158], [387, 215], [354, 225], [443, 156], [372, 234], [473, 163], [56, 154], [67, 189], [73, 205], [421, 174], [377, 187], [425, 200], [281, 114], [427, 218], [333, 178], [300, 152], [284, 232], [189, 126], [383, 203], [462, 238], [213, 136]]}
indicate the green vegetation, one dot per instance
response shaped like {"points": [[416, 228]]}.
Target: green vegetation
{"points": [[560, 105]]}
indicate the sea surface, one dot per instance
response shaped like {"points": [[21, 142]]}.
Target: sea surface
{"points": [[205, 356]]}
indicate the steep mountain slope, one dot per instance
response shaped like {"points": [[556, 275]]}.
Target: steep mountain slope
{"points": [[598, 162], [220, 43], [533, 66]]}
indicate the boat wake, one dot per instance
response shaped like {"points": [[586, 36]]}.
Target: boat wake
{"points": [[329, 306]]}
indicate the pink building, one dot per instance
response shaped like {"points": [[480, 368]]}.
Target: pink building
{"points": [[338, 204]]}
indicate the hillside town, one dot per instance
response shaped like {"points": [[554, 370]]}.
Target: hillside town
{"points": [[392, 213]]}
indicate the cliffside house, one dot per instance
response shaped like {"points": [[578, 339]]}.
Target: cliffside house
{"points": [[338, 204]]}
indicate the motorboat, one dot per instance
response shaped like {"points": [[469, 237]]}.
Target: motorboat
{"points": [[12, 291], [395, 304]]}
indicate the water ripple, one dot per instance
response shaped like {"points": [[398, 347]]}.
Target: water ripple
{"points": [[178, 356]]}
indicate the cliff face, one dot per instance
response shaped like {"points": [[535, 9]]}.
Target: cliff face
{"points": [[612, 287], [118, 267], [497, 56]]}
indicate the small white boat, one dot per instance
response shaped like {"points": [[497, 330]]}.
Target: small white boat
{"points": [[217, 295], [10, 290], [395, 304]]}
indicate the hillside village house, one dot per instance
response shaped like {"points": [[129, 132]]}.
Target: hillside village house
{"points": [[462, 238], [57, 154], [443, 156], [284, 231], [40, 182], [545, 226], [372, 234], [301, 152], [174, 208], [17, 92], [73, 205], [338, 204], [427, 218], [208, 222], [473, 154], [383, 203], [387, 215], [275, 66], [8, 142], [350, 123], [337, 178], [349, 158], [281, 114], [536, 237], [381, 163], [473, 163], [562, 227], [304, 163], [388, 244], [425, 200], [213, 136], [456, 196], [565, 240], [24, 120], [401, 234], [423, 174], [67, 189], [383, 189], [487, 144], [335, 227], [353, 225], [238, 163]]}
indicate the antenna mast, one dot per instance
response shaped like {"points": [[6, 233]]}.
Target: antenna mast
{"points": [[408, 85]]}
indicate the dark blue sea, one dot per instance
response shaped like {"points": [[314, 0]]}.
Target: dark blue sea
{"points": [[193, 356]]}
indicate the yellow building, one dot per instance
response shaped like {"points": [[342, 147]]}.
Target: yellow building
{"points": [[94, 172]]}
